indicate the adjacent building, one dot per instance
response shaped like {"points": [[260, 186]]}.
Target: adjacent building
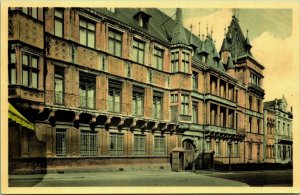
{"points": [[278, 131], [125, 86]]}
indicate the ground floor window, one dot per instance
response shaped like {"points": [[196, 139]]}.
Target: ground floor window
{"points": [[61, 142], [116, 147], [236, 150], [139, 145], [208, 145], [88, 143], [250, 151], [218, 149], [159, 145]]}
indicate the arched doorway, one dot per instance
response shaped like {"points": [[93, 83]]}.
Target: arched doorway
{"points": [[189, 153]]}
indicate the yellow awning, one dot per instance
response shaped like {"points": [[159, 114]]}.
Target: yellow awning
{"points": [[16, 116]]}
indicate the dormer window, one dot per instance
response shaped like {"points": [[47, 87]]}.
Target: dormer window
{"points": [[142, 18], [111, 9]]}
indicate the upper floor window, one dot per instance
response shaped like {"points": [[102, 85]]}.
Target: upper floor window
{"points": [[158, 58], [250, 124], [254, 79], [157, 105], [184, 104], [33, 12], [59, 22], [138, 101], [258, 126], [218, 149], [87, 86], [174, 98], [138, 51], [12, 74], [30, 71], [114, 96], [195, 80], [115, 43], [87, 33], [59, 85], [185, 62], [174, 61], [250, 102], [195, 113]]}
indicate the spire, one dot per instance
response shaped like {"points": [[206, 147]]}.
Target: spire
{"points": [[179, 35], [199, 33], [225, 45], [191, 40], [247, 43], [230, 63]]}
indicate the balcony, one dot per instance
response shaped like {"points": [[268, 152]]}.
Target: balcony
{"points": [[26, 93], [256, 89]]}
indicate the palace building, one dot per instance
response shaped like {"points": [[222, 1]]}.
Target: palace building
{"points": [[124, 87]]}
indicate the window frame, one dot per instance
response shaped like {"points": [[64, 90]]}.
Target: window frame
{"points": [[116, 150], [87, 30], [175, 61], [29, 11], [137, 94], [114, 88], [159, 148], [91, 147], [30, 70], [12, 69], [195, 80], [157, 104], [61, 134], [59, 75], [158, 58], [139, 148], [139, 50], [185, 61], [184, 110], [115, 41], [195, 112], [60, 20], [89, 82]]}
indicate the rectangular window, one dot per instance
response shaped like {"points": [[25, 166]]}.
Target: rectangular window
{"points": [[250, 124], [138, 51], [250, 102], [185, 62], [208, 145], [59, 85], [61, 142], [236, 149], [250, 151], [195, 113], [138, 101], [279, 151], [174, 61], [30, 71], [195, 80], [115, 43], [33, 12], [158, 58], [139, 145], [258, 126], [88, 143], [87, 86], [174, 98], [159, 145], [218, 149], [12, 74], [114, 96], [229, 150], [59, 22], [184, 104], [157, 105], [116, 147], [87, 33]]}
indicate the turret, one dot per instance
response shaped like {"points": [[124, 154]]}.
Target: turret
{"points": [[230, 67]]}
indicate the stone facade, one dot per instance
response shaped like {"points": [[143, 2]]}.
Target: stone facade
{"points": [[278, 131], [114, 90]]}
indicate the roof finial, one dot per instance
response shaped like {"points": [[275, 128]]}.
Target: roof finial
{"points": [[225, 30], [199, 30], [211, 31], [202, 36], [191, 27], [237, 13], [247, 32]]}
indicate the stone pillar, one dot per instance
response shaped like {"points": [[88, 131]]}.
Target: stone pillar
{"points": [[218, 115], [73, 137], [101, 92], [126, 98], [207, 113], [166, 106], [50, 144], [148, 102], [226, 91], [67, 23], [227, 118], [218, 87]]}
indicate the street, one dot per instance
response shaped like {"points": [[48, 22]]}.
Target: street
{"points": [[156, 178]]}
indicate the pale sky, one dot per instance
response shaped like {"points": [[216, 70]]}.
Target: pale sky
{"points": [[270, 34]]}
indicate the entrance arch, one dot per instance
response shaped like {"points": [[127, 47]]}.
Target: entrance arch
{"points": [[189, 147]]}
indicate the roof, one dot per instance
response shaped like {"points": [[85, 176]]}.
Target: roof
{"points": [[167, 30], [235, 40]]}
